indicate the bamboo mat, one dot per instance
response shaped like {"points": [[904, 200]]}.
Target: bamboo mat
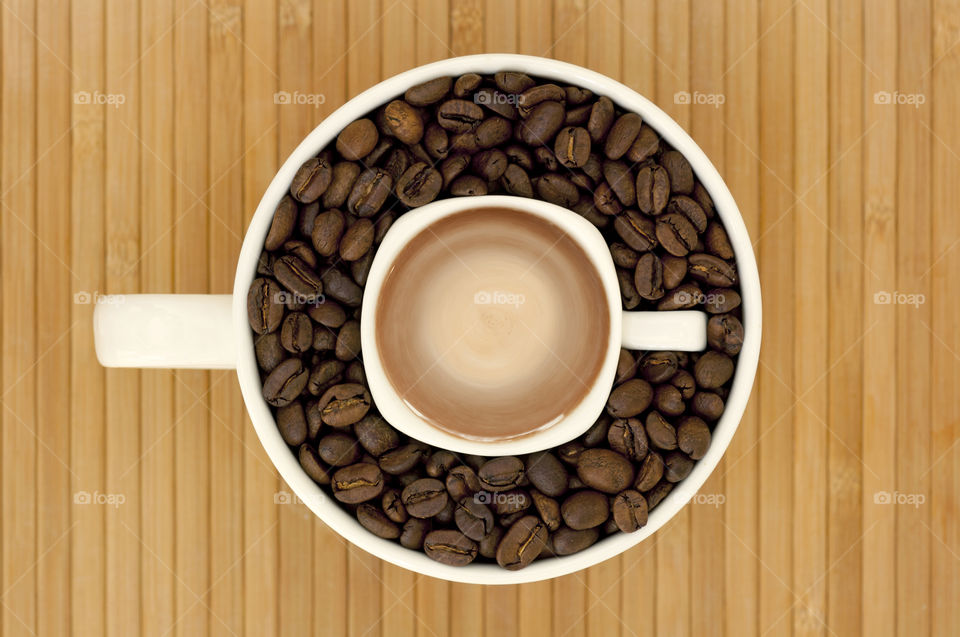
{"points": [[136, 143]]}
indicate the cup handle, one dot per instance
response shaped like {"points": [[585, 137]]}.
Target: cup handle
{"points": [[680, 331], [185, 331]]}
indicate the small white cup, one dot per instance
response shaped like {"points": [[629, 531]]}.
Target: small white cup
{"points": [[659, 331], [212, 331]]}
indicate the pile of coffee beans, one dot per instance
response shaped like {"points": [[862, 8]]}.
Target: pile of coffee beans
{"points": [[474, 135]]}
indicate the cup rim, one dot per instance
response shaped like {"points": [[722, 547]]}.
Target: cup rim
{"points": [[566, 74], [593, 246]]}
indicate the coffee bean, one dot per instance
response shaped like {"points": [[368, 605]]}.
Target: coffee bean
{"points": [[340, 287], [557, 189], [725, 333], [419, 185], [622, 135], [693, 437], [327, 313], [299, 278], [269, 351], [629, 511], [489, 543], [314, 421], [341, 183], [285, 382], [490, 164], [630, 398], [513, 82], [339, 449], [462, 482], [327, 230], [627, 437], [440, 462], [369, 192], [542, 124], [424, 498], [343, 405], [707, 405], [501, 474], [323, 339], [348, 341], [265, 307], [626, 367], [392, 505], [376, 435], [716, 241], [677, 466], [681, 175], [377, 522], [466, 84], [450, 547], [668, 401], [711, 270], [402, 459], [357, 140], [653, 189], [429, 92], [681, 204], [605, 200], [621, 181], [567, 541], [605, 470], [572, 146], [658, 493], [548, 509], [547, 473], [683, 297], [648, 277], [585, 510], [473, 519], [310, 462], [516, 182], [601, 119], [721, 300], [459, 116], [661, 433], [676, 234], [674, 270], [312, 179], [496, 102], [712, 370], [628, 292], [414, 531], [522, 543], [403, 121], [468, 186], [284, 221], [650, 472], [637, 231], [357, 240], [296, 335], [646, 145], [597, 433], [292, 423], [494, 131], [357, 483]]}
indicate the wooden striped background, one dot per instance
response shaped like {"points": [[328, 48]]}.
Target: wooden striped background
{"points": [[845, 197]]}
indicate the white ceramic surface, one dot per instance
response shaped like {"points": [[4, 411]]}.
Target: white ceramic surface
{"points": [[658, 331], [111, 330]]}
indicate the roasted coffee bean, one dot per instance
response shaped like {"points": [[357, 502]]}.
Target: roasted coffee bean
{"points": [[402, 459], [542, 124], [283, 224], [343, 405], [436, 141], [459, 116], [630, 511], [357, 140], [489, 543], [327, 313], [646, 145], [648, 277], [265, 264], [312, 180], [683, 297], [356, 374], [497, 102], [285, 382], [601, 119], [547, 473], [650, 472], [474, 519], [661, 433], [323, 374], [462, 482], [725, 334], [292, 423], [681, 204], [424, 498], [522, 543], [658, 367], [567, 541], [676, 234], [299, 278], [440, 462], [357, 483], [494, 131], [709, 269], [340, 287], [605, 470], [516, 182], [323, 339], [637, 231], [327, 230], [296, 334], [429, 92], [623, 255], [376, 435], [269, 351], [341, 183], [513, 82], [630, 398], [585, 510], [377, 522], [597, 433], [668, 401], [301, 250], [681, 175], [578, 116], [658, 493], [397, 162], [468, 186], [548, 509], [452, 167], [626, 367], [716, 241], [537, 94], [605, 200], [403, 121], [677, 466], [712, 370], [627, 437], [674, 270], [369, 192], [450, 547], [357, 240], [707, 405], [628, 291], [572, 146], [466, 84], [501, 474], [348, 341], [339, 449], [653, 189], [693, 437], [622, 135], [721, 300], [312, 466], [265, 306], [392, 506], [419, 185], [414, 531], [314, 421], [509, 502], [557, 189], [618, 175], [490, 164]]}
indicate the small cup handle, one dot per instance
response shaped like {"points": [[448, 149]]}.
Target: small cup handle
{"points": [[680, 331], [171, 331]]}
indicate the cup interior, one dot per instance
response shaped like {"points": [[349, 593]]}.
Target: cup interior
{"points": [[563, 73]]}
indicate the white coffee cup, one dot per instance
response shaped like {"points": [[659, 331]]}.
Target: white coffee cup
{"points": [[651, 331], [212, 331]]}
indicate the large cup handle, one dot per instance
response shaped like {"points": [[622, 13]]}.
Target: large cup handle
{"points": [[185, 331], [681, 331]]}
